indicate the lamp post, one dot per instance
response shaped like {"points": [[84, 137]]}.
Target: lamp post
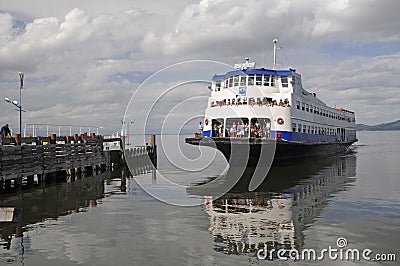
{"points": [[97, 130], [18, 104], [21, 79], [127, 134]]}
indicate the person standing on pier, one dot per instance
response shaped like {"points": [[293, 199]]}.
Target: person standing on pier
{"points": [[5, 131]]}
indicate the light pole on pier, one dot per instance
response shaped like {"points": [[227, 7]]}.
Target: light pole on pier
{"points": [[21, 80], [18, 104], [127, 132]]}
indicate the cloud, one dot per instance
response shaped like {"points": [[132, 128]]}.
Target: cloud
{"points": [[82, 60], [236, 25]]}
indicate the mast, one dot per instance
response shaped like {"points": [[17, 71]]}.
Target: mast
{"points": [[275, 41]]}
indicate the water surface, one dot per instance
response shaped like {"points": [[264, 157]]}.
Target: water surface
{"points": [[110, 220]]}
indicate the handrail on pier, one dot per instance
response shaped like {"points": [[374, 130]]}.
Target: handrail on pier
{"points": [[59, 128]]}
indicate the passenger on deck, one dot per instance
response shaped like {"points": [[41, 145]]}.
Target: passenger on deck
{"points": [[220, 131], [239, 130], [215, 130]]}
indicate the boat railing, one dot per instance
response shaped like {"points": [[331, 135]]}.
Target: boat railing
{"points": [[228, 102]]}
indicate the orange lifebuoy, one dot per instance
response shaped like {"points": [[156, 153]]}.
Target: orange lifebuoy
{"points": [[280, 121], [206, 121]]}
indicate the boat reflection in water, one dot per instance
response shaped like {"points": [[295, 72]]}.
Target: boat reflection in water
{"points": [[278, 211]]}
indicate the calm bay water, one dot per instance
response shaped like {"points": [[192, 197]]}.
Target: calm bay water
{"points": [[110, 220]]}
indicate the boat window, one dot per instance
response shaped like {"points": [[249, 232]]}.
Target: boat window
{"points": [[298, 104], [309, 129], [217, 126], [272, 81], [304, 128], [303, 106], [266, 80], [237, 127], [258, 79], [299, 128], [242, 80], [260, 127], [312, 129], [307, 107], [226, 83], [311, 108], [294, 127], [251, 80], [284, 81], [236, 81], [218, 86], [230, 82]]}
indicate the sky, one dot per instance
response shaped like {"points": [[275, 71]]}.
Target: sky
{"points": [[84, 60]]}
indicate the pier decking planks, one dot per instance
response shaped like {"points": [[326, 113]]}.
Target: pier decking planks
{"points": [[42, 155]]}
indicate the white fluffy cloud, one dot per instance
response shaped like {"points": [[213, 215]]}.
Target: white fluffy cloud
{"points": [[83, 59]]}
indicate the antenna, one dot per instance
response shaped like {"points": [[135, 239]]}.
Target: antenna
{"points": [[275, 41]]}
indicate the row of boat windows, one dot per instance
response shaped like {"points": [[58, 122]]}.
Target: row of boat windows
{"points": [[250, 80], [321, 130], [322, 112], [313, 129], [251, 101]]}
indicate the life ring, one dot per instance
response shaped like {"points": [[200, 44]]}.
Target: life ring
{"points": [[280, 121], [206, 121]]}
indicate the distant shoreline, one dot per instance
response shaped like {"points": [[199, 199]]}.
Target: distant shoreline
{"points": [[391, 126], [376, 130]]}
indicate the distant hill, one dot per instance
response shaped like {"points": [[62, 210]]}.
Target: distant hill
{"points": [[381, 127]]}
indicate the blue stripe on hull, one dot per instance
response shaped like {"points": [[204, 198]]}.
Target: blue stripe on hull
{"points": [[306, 137]]}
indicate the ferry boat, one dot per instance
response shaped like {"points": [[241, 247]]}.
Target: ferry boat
{"points": [[258, 107]]}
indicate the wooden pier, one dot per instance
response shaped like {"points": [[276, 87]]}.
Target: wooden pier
{"points": [[35, 159], [41, 157]]}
